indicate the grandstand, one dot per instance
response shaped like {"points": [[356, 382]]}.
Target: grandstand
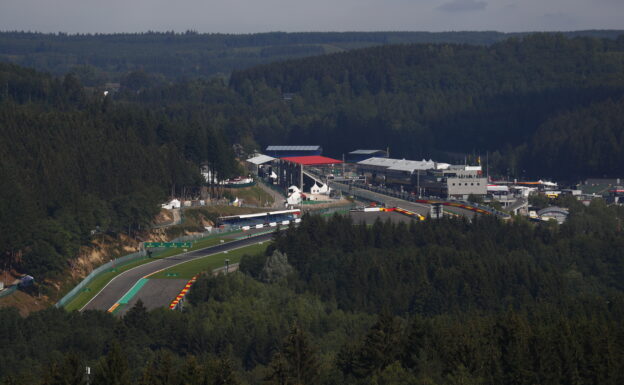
{"points": [[259, 220]]}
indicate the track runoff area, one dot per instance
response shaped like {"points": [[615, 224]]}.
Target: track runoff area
{"points": [[145, 282]]}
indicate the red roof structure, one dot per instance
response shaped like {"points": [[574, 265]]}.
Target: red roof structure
{"points": [[312, 160]]}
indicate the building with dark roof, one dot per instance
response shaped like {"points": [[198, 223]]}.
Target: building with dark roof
{"points": [[292, 151], [360, 155]]}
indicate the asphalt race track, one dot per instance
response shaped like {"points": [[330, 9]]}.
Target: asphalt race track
{"points": [[156, 293], [124, 282]]}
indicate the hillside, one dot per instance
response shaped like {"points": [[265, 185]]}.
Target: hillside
{"points": [[101, 58], [428, 100], [75, 165]]}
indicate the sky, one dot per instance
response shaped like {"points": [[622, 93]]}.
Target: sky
{"points": [[248, 16]]}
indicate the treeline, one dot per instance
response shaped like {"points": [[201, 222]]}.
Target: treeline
{"points": [[99, 58], [77, 164], [440, 100], [450, 266]]}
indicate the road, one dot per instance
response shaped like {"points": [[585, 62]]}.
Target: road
{"points": [[124, 282], [420, 208], [388, 201]]}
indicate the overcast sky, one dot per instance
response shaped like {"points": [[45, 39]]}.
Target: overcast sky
{"points": [[245, 16]]}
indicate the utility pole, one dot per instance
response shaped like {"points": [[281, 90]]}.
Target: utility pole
{"points": [[418, 182], [487, 165]]}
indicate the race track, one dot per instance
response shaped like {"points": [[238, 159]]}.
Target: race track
{"points": [[122, 284]]}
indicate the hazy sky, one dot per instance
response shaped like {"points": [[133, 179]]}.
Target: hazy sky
{"points": [[244, 16]]}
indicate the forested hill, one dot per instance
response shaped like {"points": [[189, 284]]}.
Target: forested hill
{"points": [[423, 100], [74, 163], [100, 58]]}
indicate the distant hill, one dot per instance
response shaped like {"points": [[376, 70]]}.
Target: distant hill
{"points": [[101, 58]]}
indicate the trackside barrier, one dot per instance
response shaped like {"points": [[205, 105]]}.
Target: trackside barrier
{"points": [[126, 259], [8, 291], [332, 210], [115, 263], [187, 287]]}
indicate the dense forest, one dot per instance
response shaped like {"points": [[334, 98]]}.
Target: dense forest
{"points": [[333, 302], [76, 164], [169, 56]]}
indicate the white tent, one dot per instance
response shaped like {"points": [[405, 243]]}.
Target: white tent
{"points": [[294, 196], [173, 204]]}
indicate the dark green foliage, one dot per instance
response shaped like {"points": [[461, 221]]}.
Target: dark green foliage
{"points": [[252, 264], [76, 165], [300, 358], [70, 372], [435, 267], [113, 368], [588, 141]]}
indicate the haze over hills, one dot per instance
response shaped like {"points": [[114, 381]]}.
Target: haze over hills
{"points": [[169, 56]]}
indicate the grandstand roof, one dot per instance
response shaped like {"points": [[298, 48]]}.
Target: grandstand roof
{"points": [[293, 148], [313, 160], [365, 152], [260, 159], [399, 164], [553, 210]]}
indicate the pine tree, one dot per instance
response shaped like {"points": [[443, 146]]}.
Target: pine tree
{"points": [[297, 363], [69, 372], [191, 372], [113, 368]]}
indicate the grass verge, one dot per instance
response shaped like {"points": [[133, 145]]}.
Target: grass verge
{"points": [[208, 263], [101, 280], [254, 195]]}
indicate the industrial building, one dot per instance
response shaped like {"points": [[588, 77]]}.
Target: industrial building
{"points": [[463, 181], [425, 177]]}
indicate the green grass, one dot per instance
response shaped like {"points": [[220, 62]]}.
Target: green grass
{"points": [[208, 263], [100, 281], [98, 284], [252, 195]]}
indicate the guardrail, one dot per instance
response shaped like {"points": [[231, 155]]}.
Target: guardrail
{"points": [[8, 291], [126, 259], [240, 185]]}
